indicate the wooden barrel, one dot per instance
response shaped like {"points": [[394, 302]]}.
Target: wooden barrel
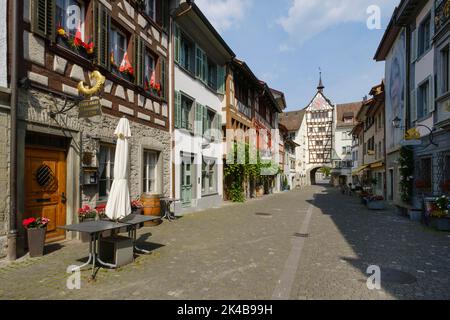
{"points": [[152, 207]]}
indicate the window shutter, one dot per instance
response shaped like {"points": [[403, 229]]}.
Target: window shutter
{"points": [[198, 126], [139, 60], [163, 77], [43, 21], [205, 68], [158, 8], [177, 43], [219, 122], [413, 106], [431, 94], [414, 46], [221, 79], [177, 109], [198, 62], [205, 121], [101, 34]]}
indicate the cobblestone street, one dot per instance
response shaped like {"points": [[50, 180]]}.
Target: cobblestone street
{"points": [[310, 244]]}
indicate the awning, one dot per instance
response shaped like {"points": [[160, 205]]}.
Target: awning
{"points": [[361, 168], [377, 165]]}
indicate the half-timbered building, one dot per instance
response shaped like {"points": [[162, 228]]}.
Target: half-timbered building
{"points": [[319, 125], [66, 154]]}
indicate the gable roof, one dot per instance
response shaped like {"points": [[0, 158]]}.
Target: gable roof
{"points": [[319, 96], [292, 120], [347, 110]]}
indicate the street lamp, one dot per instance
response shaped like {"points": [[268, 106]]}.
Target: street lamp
{"points": [[396, 123]]}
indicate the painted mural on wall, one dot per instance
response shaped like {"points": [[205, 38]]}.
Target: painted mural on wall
{"points": [[395, 91]]}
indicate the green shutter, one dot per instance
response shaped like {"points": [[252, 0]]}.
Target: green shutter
{"points": [[139, 60], [206, 125], [431, 94], [205, 68], [101, 34], [177, 109], [163, 77], [198, 62], [198, 126], [177, 43], [43, 18], [221, 79], [413, 105]]}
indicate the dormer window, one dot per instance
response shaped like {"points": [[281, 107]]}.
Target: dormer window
{"points": [[348, 120]]}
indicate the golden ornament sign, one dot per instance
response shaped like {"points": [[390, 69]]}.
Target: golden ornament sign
{"points": [[90, 91]]}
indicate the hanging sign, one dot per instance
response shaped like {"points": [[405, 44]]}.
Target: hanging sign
{"points": [[91, 106]]}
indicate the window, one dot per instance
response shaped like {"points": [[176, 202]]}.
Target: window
{"points": [[150, 162], [425, 35], [186, 113], [118, 45], [319, 143], [70, 16], [348, 120], [423, 99], [380, 150], [212, 75], [209, 180], [150, 8], [187, 54], [106, 170], [445, 56], [149, 65], [208, 120], [322, 129]]}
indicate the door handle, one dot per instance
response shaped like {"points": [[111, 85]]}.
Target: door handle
{"points": [[63, 198]]}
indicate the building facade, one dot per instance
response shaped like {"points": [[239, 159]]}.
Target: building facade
{"points": [[66, 159], [5, 128], [415, 48], [344, 124], [320, 117], [201, 58]]}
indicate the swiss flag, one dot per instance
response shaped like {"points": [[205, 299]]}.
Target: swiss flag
{"points": [[153, 79], [125, 65]]}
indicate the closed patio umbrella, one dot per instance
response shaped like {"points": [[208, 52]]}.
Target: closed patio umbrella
{"points": [[119, 205]]}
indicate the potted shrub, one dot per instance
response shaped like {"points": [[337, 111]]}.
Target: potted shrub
{"points": [[439, 217], [36, 229], [376, 203]]}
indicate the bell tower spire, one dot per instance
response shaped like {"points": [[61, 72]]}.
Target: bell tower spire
{"points": [[320, 87]]}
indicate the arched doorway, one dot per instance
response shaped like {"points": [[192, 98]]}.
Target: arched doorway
{"points": [[317, 177]]}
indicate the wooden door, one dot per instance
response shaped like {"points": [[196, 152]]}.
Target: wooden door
{"points": [[186, 182], [45, 189]]}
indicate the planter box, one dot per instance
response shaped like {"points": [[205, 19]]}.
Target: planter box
{"points": [[415, 215], [376, 205], [36, 242], [441, 224]]}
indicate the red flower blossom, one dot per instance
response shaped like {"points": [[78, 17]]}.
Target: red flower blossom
{"points": [[27, 222]]}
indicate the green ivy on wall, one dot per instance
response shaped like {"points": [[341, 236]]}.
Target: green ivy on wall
{"points": [[406, 162]]}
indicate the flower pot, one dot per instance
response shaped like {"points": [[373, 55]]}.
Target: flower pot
{"points": [[36, 242], [441, 224], [376, 205]]}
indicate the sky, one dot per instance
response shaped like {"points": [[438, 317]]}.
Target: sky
{"points": [[285, 42]]}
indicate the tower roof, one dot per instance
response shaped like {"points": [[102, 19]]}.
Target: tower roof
{"points": [[320, 87]]}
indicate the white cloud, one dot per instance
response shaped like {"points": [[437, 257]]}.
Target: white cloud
{"points": [[284, 48], [308, 18], [224, 14]]}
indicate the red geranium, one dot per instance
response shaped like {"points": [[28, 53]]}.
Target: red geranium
{"points": [[33, 223], [26, 223]]}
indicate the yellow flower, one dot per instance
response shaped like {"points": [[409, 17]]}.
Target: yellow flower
{"points": [[61, 32]]}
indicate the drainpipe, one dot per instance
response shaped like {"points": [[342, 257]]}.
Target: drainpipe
{"points": [[12, 235]]}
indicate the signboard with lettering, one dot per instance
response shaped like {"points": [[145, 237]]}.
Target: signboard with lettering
{"points": [[89, 108]]}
